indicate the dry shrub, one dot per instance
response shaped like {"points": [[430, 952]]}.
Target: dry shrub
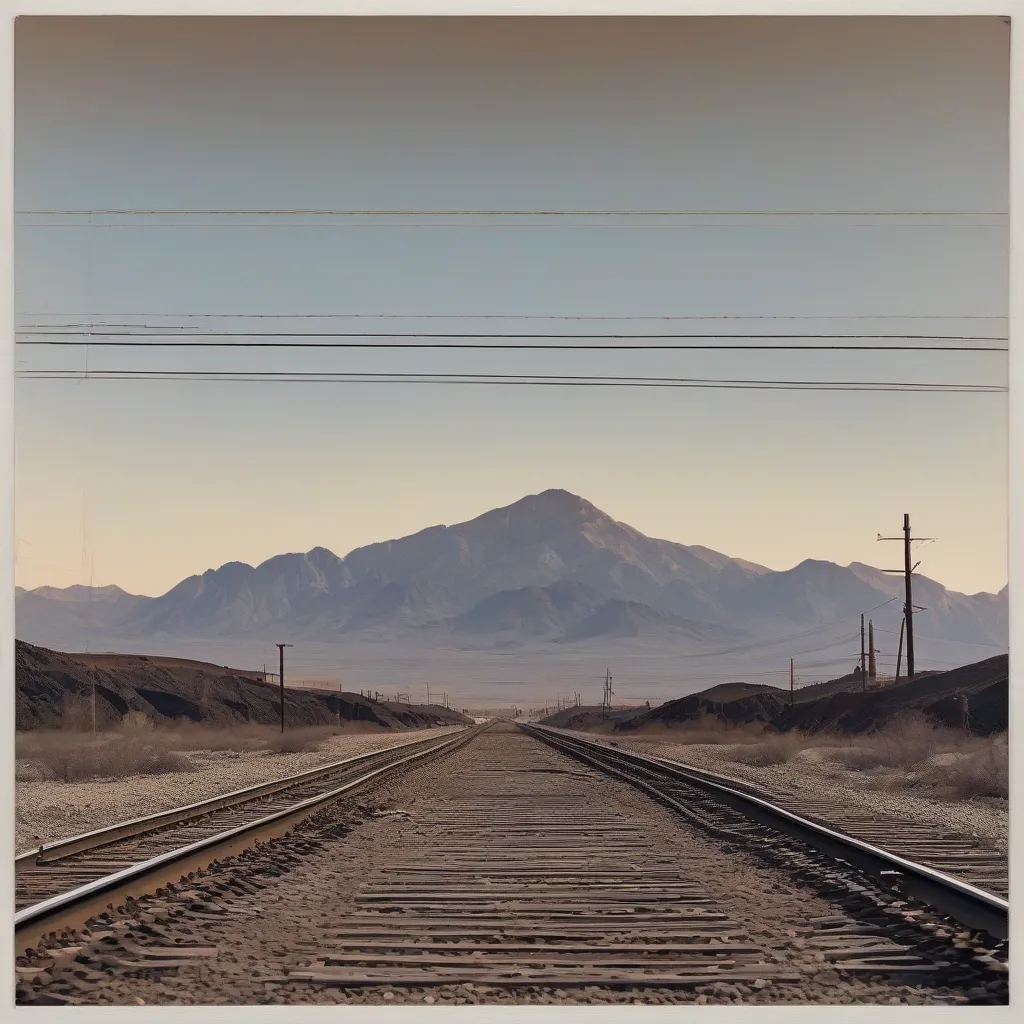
{"points": [[906, 741], [136, 722], [774, 748], [297, 741], [708, 729], [75, 713], [57, 757], [246, 738], [983, 771]]}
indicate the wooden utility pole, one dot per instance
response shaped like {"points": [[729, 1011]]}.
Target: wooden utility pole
{"points": [[872, 664], [899, 651], [863, 664], [791, 681], [280, 649], [908, 572], [606, 699]]}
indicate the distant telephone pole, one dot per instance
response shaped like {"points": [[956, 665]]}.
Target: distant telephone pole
{"points": [[606, 698], [791, 682], [863, 664], [908, 572], [872, 664], [280, 649], [899, 651]]}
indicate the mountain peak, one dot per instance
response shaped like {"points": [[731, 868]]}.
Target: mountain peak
{"points": [[555, 498]]}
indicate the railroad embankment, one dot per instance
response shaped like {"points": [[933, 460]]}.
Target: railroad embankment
{"points": [[54, 689]]}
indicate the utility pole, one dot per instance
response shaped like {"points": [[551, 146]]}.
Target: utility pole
{"points": [[872, 664], [863, 664], [899, 651], [606, 699], [791, 682], [280, 648], [908, 571]]}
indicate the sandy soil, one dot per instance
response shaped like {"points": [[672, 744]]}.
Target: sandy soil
{"points": [[46, 811], [813, 775]]}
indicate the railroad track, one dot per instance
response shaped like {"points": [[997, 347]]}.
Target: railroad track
{"points": [[62, 881], [915, 859], [962, 856], [516, 872]]}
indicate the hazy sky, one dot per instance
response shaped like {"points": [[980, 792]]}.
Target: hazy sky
{"points": [[152, 481]]}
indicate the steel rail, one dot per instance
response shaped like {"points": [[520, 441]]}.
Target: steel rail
{"points": [[967, 903], [159, 819], [38, 912]]}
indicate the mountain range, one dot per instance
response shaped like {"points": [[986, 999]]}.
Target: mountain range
{"points": [[549, 568]]}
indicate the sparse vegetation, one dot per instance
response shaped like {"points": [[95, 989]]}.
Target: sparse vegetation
{"points": [[909, 751], [981, 772], [906, 741], [109, 756], [774, 748], [137, 746], [709, 729]]}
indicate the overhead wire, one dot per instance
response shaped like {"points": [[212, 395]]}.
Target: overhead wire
{"points": [[500, 380], [106, 333], [518, 316], [487, 212]]}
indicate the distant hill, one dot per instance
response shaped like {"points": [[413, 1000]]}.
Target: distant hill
{"points": [[618, 618], [74, 610], [549, 566], [530, 611], [842, 706], [168, 688]]}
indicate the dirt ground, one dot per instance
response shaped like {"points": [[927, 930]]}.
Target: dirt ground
{"points": [[48, 810], [813, 774]]}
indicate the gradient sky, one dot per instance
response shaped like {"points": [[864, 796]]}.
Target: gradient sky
{"points": [[149, 482]]}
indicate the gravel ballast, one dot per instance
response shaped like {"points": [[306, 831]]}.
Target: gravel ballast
{"points": [[812, 774], [48, 811]]}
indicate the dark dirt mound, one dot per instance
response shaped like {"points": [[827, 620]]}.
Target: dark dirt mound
{"points": [[590, 718], [985, 684], [848, 709], [172, 688]]}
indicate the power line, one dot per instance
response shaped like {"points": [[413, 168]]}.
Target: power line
{"points": [[540, 212], [947, 640], [498, 377], [522, 316], [477, 335], [101, 340], [799, 635], [272, 377]]}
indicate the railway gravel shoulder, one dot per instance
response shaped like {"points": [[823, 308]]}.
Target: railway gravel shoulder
{"points": [[50, 811], [813, 787]]}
